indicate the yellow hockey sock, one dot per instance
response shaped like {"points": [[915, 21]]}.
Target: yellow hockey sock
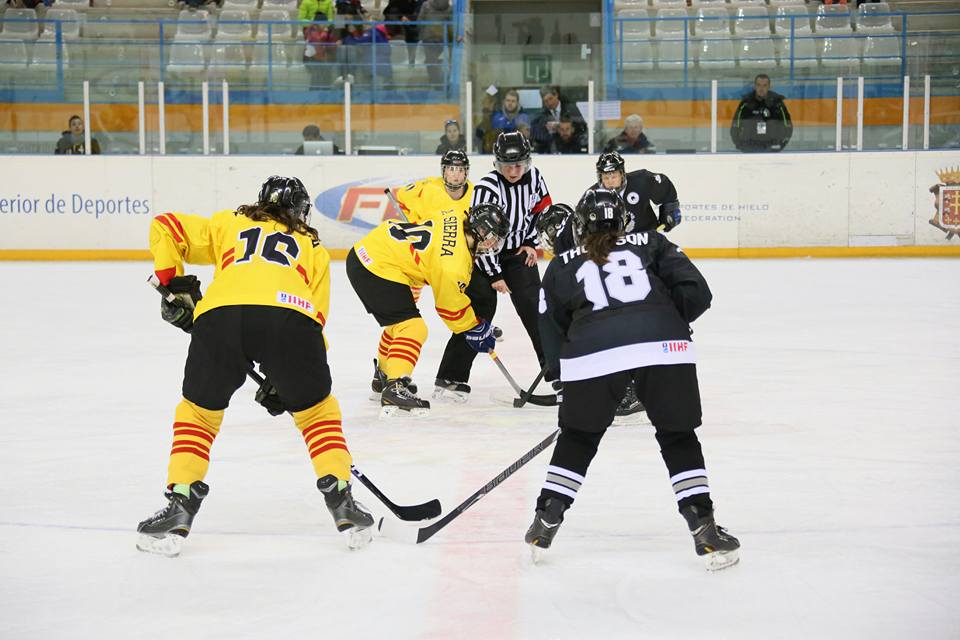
{"points": [[194, 429], [408, 339], [321, 428], [386, 338]]}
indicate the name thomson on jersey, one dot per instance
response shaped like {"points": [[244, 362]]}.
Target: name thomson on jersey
{"points": [[630, 238]]}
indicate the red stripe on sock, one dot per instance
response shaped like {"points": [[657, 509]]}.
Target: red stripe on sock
{"points": [[182, 431], [315, 429], [335, 445], [400, 356], [192, 451], [195, 426], [408, 342]]}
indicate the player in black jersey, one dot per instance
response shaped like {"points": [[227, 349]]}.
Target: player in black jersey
{"points": [[639, 189], [619, 305]]}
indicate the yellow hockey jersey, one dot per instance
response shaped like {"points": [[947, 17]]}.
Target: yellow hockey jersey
{"points": [[428, 198], [256, 263], [432, 252]]}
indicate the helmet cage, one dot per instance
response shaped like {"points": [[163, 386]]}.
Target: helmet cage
{"points": [[488, 225]]}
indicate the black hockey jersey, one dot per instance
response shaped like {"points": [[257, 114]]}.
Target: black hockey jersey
{"points": [[634, 311], [642, 187]]}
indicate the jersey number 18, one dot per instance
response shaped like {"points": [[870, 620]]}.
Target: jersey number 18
{"points": [[625, 280]]}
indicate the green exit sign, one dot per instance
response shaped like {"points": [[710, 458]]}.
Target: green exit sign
{"points": [[536, 69]]}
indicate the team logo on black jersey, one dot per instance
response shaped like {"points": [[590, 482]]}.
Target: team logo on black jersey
{"points": [[946, 202], [633, 197]]}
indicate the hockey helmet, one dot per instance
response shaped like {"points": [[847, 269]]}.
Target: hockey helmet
{"points": [[288, 193], [600, 211], [609, 162], [511, 147], [489, 226], [454, 158], [551, 222]]}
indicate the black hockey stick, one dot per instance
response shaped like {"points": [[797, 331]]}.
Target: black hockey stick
{"points": [[412, 513], [425, 533], [525, 395], [540, 401]]}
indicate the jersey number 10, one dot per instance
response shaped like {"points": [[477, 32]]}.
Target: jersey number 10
{"points": [[625, 280]]}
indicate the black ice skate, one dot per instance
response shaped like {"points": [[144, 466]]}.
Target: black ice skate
{"points": [[164, 531], [630, 410], [713, 542], [351, 517], [545, 525], [451, 391], [380, 379], [397, 399]]}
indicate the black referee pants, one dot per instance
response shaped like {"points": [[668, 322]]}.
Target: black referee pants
{"points": [[524, 283]]}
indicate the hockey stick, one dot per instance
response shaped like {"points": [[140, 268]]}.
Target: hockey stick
{"points": [[396, 204], [425, 533], [540, 401], [525, 395], [413, 513]]}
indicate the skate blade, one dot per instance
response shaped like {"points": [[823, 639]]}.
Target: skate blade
{"points": [[445, 395], [168, 546], [719, 560], [631, 419], [358, 538], [537, 554], [390, 412]]}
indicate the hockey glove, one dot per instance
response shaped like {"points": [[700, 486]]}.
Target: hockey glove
{"points": [[558, 389], [268, 397], [480, 338], [180, 312], [670, 215]]}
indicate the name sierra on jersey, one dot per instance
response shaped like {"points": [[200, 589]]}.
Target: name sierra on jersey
{"points": [[636, 239], [450, 227]]}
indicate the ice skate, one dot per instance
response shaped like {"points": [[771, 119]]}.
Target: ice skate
{"points": [[163, 532], [544, 528], [352, 518], [396, 400], [380, 379], [451, 391], [718, 548], [630, 410]]}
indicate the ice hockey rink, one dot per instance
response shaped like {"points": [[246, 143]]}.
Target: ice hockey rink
{"points": [[830, 433]]}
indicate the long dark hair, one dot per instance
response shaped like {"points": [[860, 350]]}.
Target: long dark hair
{"points": [[282, 215], [599, 245]]}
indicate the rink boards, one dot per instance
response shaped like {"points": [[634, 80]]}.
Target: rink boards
{"points": [[836, 204]]}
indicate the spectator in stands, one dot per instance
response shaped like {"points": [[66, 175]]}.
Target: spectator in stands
{"points": [[510, 114], [316, 11], [631, 139], [350, 8], [405, 11], [485, 134], [28, 4], [373, 35], [451, 140], [72, 140], [434, 38], [554, 109], [311, 132], [566, 139], [761, 123], [194, 4], [524, 130]]}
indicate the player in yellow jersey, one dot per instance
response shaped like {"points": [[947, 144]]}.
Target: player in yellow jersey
{"points": [[267, 303], [440, 252], [430, 198]]}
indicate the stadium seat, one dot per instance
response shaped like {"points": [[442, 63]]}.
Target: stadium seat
{"points": [[270, 25], [13, 59], [44, 62], [755, 47], [289, 5], [714, 46], [76, 5], [837, 47], [245, 5], [834, 18], [234, 25], [227, 62], [69, 23], [803, 49], [867, 18], [670, 32], [22, 29], [636, 24], [792, 15], [712, 22], [193, 26], [186, 60], [263, 58], [671, 4], [881, 50], [629, 5]]}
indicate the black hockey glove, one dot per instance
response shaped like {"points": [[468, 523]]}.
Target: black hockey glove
{"points": [[180, 312], [558, 389], [670, 215], [268, 397]]}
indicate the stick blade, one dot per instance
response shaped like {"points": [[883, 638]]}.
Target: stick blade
{"points": [[414, 513]]}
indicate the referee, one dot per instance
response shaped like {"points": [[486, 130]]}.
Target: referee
{"points": [[521, 192]]}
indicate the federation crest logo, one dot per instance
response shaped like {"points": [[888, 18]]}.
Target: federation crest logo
{"points": [[363, 204], [946, 202]]}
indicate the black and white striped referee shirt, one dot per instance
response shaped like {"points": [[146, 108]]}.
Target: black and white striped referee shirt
{"points": [[522, 201]]}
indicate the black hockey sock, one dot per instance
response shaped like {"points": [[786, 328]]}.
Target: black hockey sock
{"points": [[571, 456], [684, 459]]}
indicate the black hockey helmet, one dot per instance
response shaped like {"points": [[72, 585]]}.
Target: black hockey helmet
{"points": [[288, 193], [551, 222], [511, 147], [454, 158], [489, 226], [608, 162], [599, 211]]}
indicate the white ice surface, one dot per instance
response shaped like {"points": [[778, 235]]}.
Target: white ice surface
{"points": [[830, 394]]}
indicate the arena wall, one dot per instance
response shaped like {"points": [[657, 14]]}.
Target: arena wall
{"points": [[825, 204]]}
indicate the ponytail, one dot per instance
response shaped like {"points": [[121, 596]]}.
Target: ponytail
{"points": [[599, 245], [281, 215]]}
